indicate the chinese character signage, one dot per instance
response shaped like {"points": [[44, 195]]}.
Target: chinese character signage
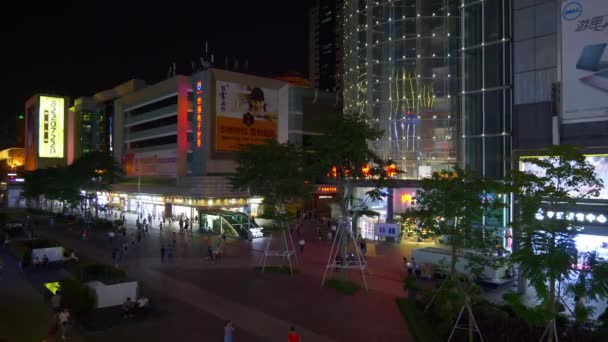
{"points": [[50, 127], [199, 114], [245, 114], [387, 229], [584, 47]]}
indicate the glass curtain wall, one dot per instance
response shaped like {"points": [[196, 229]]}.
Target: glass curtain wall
{"points": [[401, 67], [485, 57], [486, 90]]}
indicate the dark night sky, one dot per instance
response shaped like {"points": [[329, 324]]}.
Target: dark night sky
{"points": [[79, 48]]}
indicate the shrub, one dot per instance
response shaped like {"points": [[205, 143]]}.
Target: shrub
{"points": [[276, 269], [106, 274], [41, 243], [421, 329], [19, 250], [343, 286], [76, 296]]}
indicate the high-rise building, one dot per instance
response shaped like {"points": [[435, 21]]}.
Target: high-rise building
{"points": [[325, 45], [401, 65], [560, 96], [486, 86]]}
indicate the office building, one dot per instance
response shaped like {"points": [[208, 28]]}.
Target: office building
{"points": [[325, 46], [560, 96], [401, 65]]}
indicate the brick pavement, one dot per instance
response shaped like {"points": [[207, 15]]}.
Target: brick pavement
{"points": [[265, 321]]}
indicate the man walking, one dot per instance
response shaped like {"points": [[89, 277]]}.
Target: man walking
{"points": [[293, 335], [302, 242]]}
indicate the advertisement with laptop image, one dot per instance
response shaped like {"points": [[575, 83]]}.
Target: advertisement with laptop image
{"points": [[584, 60], [595, 58]]}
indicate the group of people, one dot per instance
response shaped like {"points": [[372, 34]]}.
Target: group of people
{"points": [[131, 308]]}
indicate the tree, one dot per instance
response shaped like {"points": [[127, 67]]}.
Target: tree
{"points": [[274, 171], [92, 172], [453, 204], [342, 153], [545, 232]]}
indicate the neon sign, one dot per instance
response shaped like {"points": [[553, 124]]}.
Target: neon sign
{"points": [[199, 114]]}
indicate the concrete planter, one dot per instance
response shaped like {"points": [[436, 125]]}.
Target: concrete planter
{"points": [[114, 294], [53, 253]]}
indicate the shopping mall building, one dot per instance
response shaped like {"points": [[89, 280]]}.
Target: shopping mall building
{"points": [[177, 140], [482, 83]]}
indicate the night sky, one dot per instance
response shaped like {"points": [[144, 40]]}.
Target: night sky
{"points": [[79, 48]]}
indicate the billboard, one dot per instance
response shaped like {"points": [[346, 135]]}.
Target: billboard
{"points": [[598, 161], [584, 45], [151, 164], [50, 127], [245, 114]]}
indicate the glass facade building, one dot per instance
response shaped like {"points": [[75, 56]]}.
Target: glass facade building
{"points": [[401, 67], [486, 86]]}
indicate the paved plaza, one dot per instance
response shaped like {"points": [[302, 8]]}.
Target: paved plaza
{"points": [[199, 296]]}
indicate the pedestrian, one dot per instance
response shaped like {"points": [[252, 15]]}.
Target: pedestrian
{"points": [[228, 331], [250, 238], [209, 254], [160, 225], [404, 263], [224, 237], [64, 322], [84, 233], [293, 335], [174, 239], [302, 242], [111, 236], [162, 254]]}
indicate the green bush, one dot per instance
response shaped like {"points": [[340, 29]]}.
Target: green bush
{"points": [[106, 274], [41, 243], [276, 269], [76, 296], [19, 250], [420, 327], [343, 286]]}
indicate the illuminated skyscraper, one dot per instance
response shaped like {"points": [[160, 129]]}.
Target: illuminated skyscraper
{"points": [[401, 68]]}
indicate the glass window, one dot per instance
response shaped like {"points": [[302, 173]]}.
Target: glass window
{"points": [[473, 150], [473, 28], [493, 65], [494, 123], [473, 114], [493, 20], [495, 157], [473, 69]]}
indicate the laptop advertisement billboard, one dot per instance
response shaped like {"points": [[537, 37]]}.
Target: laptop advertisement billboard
{"points": [[584, 50]]}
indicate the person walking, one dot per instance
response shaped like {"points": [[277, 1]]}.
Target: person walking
{"points": [[302, 243], [228, 331], [64, 322], [293, 335], [162, 254]]}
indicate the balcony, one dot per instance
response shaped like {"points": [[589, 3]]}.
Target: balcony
{"points": [[151, 133], [151, 115]]}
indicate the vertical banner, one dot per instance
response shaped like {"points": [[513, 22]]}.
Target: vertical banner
{"points": [[584, 27], [50, 127]]}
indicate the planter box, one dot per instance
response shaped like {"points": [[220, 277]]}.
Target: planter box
{"points": [[112, 295], [53, 253]]}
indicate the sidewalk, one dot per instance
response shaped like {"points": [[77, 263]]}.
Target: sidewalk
{"points": [[261, 305]]}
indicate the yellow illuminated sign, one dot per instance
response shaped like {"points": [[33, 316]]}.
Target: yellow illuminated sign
{"points": [[50, 127]]}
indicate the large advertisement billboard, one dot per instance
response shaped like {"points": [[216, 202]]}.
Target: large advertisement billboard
{"points": [[50, 127], [245, 114], [151, 164], [584, 27]]}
